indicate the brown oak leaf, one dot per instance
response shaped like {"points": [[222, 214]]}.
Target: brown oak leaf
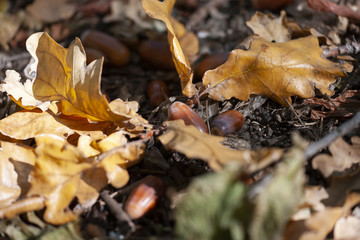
{"points": [[275, 70]]}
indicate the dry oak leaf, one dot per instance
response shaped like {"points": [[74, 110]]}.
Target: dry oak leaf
{"points": [[275, 70], [195, 144], [62, 172], [343, 156], [269, 27], [27, 124], [63, 76], [50, 11], [178, 39]]}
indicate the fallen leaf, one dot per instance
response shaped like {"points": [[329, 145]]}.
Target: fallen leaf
{"points": [[178, 39], [347, 228], [321, 223], [51, 11], [276, 70], [23, 158], [195, 144], [327, 6], [9, 188], [62, 76], [345, 105], [10, 24], [62, 172], [28, 124], [20, 93], [343, 156], [270, 28]]}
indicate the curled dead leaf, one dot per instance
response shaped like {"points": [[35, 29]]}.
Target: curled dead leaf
{"points": [[63, 76], [195, 144], [178, 39]]}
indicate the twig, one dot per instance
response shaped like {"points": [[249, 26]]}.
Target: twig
{"points": [[203, 11], [117, 210], [329, 138]]}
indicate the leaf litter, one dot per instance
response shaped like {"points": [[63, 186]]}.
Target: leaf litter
{"points": [[70, 141]]}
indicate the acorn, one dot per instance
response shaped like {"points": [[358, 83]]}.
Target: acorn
{"points": [[179, 110], [92, 54], [157, 54], [272, 5], [117, 53], [210, 62], [227, 122], [157, 92], [144, 197]]}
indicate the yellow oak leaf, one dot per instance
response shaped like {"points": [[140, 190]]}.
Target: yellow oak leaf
{"points": [[63, 76], [28, 124], [63, 171], [195, 144], [275, 70], [178, 40]]}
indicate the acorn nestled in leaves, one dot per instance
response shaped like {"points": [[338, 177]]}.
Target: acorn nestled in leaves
{"points": [[157, 54], [179, 110], [227, 122], [144, 197]]}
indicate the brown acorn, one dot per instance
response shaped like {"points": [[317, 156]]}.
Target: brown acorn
{"points": [[117, 53], [179, 110], [157, 92], [157, 54], [92, 54], [144, 197], [271, 4], [227, 122], [210, 62]]}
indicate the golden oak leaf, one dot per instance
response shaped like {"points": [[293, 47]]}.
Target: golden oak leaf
{"points": [[63, 171], [178, 40], [63, 76], [275, 70], [27, 124], [57, 175], [195, 144]]}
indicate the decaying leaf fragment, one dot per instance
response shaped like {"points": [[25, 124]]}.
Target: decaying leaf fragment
{"points": [[178, 39], [63, 76], [343, 156], [275, 70], [269, 27], [195, 144]]}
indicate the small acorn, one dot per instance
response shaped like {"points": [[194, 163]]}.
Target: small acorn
{"points": [[144, 197], [157, 92], [117, 53], [179, 110], [210, 62], [227, 122], [157, 54], [92, 54]]}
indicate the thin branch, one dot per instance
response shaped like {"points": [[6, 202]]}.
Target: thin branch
{"points": [[344, 129], [117, 210]]}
